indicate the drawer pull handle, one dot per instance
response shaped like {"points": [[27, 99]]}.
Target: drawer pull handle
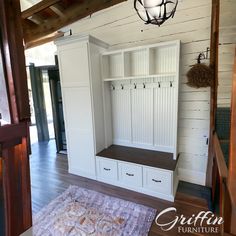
{"points": [[129, 174], [156, 181], [106, 169]]}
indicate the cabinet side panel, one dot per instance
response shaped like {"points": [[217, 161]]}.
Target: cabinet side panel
{"points": [[107, 114], [97, 97]]}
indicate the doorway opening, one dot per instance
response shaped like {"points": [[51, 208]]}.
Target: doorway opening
{"points": [[47, 119]]}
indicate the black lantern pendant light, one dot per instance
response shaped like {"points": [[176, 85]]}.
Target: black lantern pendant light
{"points": [[155, 11]]}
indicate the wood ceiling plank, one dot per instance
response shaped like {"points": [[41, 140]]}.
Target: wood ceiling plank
{"points": [[38, 7], [58, 10], [36, 19], [73, 13]]}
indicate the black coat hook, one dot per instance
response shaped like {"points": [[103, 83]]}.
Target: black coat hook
{"points": [[171, 84], [159, 84], [135, 85], [144, 85], [113, 87], [122, 86]]}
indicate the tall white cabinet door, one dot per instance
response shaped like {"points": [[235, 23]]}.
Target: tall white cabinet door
{"points": [[79, 130], [74, 64]]}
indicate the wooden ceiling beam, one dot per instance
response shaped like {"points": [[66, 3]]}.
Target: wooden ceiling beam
{"points": [[38, 7], [72, 14], [44, 40]]}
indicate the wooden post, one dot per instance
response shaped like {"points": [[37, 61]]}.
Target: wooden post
{"points": [[232, 154], [15, 172], [14, 60], [215, 15]]}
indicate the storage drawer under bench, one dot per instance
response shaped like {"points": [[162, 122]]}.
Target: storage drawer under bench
{"points": [[130, 174], [157, 180], [153, 181], [107, 168]]}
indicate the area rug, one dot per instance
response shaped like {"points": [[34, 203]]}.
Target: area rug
{"points": [[82, 212]]}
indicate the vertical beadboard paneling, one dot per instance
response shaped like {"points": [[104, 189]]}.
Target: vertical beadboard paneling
{"points": [[121, 115], [163, 117], [166, 60], [136, 62], [113, 65], [142, 116]]}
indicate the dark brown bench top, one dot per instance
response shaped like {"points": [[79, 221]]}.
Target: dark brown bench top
{"points": [[140, 156]]}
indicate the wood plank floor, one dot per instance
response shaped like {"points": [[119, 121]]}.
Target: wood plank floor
{"points": [[49, 178]]}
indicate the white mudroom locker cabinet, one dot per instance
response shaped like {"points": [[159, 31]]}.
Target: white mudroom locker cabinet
{"points": [[79, 63], [121, 113]]}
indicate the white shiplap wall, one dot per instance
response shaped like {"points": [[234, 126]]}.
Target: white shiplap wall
{"points": [[120, 27], [226, 51]]}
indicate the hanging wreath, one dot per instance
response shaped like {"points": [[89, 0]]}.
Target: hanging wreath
{"points": [[200, 75]]}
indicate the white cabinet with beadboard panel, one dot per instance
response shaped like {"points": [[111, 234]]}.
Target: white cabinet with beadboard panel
{"points": [[79, 65]]}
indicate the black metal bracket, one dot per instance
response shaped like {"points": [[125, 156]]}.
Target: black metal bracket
{"points": [[203, 55]]}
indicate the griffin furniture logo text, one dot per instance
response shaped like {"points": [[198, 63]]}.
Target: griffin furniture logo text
{"points": [[203, 222]]}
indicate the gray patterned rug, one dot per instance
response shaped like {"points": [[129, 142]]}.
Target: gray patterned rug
{"points": [[82, 212]]}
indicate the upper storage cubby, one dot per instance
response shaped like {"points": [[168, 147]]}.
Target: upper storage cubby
{"points": [[152, 61], [162, 60], [113, 66], [136, 62]]}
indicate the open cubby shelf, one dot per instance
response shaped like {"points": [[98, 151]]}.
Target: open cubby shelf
{"points": [[140, 156], [140, 62]]}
